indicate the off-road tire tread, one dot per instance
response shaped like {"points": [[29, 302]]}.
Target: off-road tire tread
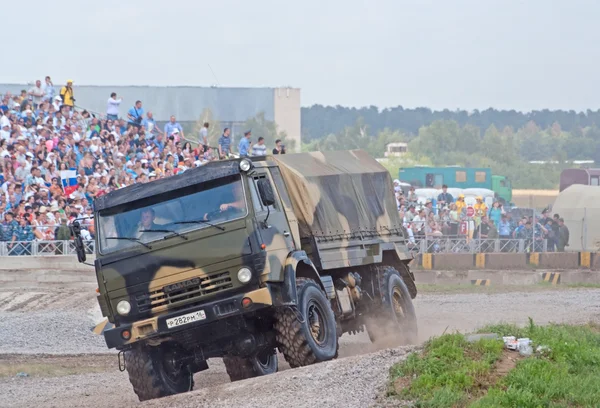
{"points": [[384, 273], [291, 342], [238, 368], [143, 376]]}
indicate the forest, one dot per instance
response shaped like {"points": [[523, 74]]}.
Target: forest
{"points": [[505, 141]]}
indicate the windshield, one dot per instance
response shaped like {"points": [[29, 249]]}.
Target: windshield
{"points": [[172, 214]]}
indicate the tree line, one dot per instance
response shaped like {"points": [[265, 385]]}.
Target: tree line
{"points": [[505, 141], [507, 151], [319, 121]]}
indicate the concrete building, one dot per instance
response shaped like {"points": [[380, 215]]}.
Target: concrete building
{"points": [[230, 106]]}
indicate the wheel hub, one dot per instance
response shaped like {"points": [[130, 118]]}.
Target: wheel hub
{"points": [[173, 365], [397, 303], [264, 358], [315, 322]]}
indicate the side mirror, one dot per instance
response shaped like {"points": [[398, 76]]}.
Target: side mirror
{"points": [[266, 192], [79, 247]]}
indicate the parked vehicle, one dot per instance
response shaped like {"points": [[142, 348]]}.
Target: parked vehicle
{"points": [[458, 177], [586, 177]]}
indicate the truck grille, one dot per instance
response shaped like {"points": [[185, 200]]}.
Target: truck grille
{"points": [[159, 300]]}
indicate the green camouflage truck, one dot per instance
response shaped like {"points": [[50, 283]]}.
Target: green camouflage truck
{"points": [[243, 257]]}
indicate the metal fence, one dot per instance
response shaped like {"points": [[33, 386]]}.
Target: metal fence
{"points": [[43, 248], [464, 244]]}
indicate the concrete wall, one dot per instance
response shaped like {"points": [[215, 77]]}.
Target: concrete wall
{"points": [[287, 113], [66, 263], [504, 261]]}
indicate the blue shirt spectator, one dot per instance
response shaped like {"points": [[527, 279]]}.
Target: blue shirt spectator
{"points": [[225, 143], [172, 125], [244, 145], [136, 114], [504, 227]]}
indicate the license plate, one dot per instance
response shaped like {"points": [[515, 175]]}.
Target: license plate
{"points": [[185, 319]]}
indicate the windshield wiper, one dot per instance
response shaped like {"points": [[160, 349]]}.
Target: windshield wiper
{"points": [[133, 240], [201, 222], [166, 230]]}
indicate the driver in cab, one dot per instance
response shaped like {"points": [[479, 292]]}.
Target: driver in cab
{"points": [[238, 204], [147, 223]]}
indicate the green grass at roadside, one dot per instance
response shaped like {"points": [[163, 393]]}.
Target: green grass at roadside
{"points": [[46, 370], [451, 372]]}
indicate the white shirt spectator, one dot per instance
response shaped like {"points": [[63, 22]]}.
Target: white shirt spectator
{"points": [[57, 102], [112, 106], [5, 134], [259, 150], [37, 94], [204, 135], [4, 121]]}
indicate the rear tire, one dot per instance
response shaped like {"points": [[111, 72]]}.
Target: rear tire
{"points": [[154, 375], [315, 338], [240, 368], [395, 321]]}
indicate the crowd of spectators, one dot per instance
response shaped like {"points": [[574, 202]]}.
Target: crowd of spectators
{"points": [[44, 132], [488, 223]]}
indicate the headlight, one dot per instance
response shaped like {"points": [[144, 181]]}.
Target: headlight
{"points": [[245, 165], [123, 307], [244, 275]]}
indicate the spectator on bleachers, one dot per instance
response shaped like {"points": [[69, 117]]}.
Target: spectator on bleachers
{"points": [[112, 107], [445, 198]]}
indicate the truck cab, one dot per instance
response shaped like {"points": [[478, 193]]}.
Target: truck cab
{"points": [[219, 262]]}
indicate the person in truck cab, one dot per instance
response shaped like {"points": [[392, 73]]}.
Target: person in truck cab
{"points": [[237, 205], [146, 223]]}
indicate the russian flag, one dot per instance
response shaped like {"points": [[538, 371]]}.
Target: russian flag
{"points": [[68, 178]]}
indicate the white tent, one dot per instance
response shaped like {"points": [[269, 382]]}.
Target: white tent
{"points": [[472, 193], [579, 206]]}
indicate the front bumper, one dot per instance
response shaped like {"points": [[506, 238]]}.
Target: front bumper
{"points": [[157, 326]]}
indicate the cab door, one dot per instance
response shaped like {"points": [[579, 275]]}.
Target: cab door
{"points": [[273, 226]]}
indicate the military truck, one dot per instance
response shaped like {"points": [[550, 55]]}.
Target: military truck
{"points": [[241, 257]]}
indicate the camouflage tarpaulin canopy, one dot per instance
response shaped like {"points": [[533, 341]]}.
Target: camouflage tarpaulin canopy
{"points": [[343, 192]]}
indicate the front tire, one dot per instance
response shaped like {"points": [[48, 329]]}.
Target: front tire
{"points": [[395, 321], [240, 368], [311, 336], [154, 372]]}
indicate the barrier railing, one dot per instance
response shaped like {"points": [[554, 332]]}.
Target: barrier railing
{"points": [[463, 244], [43, 248]]}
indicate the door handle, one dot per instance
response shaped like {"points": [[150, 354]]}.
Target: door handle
{"points": [[286, 234]]}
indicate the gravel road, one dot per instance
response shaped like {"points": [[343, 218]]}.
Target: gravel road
{"points": [[62, 326]]}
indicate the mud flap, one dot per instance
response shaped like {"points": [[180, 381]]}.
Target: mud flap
{"points": [[101, 327]]}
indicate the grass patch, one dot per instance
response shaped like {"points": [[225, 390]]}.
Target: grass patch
{"points": [[450, 372], [46, 370]]}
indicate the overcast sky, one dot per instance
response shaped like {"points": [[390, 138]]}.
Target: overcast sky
{"points": [[507, 54]]}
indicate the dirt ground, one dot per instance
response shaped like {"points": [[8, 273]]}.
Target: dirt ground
{"points": [[68, 366]]}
